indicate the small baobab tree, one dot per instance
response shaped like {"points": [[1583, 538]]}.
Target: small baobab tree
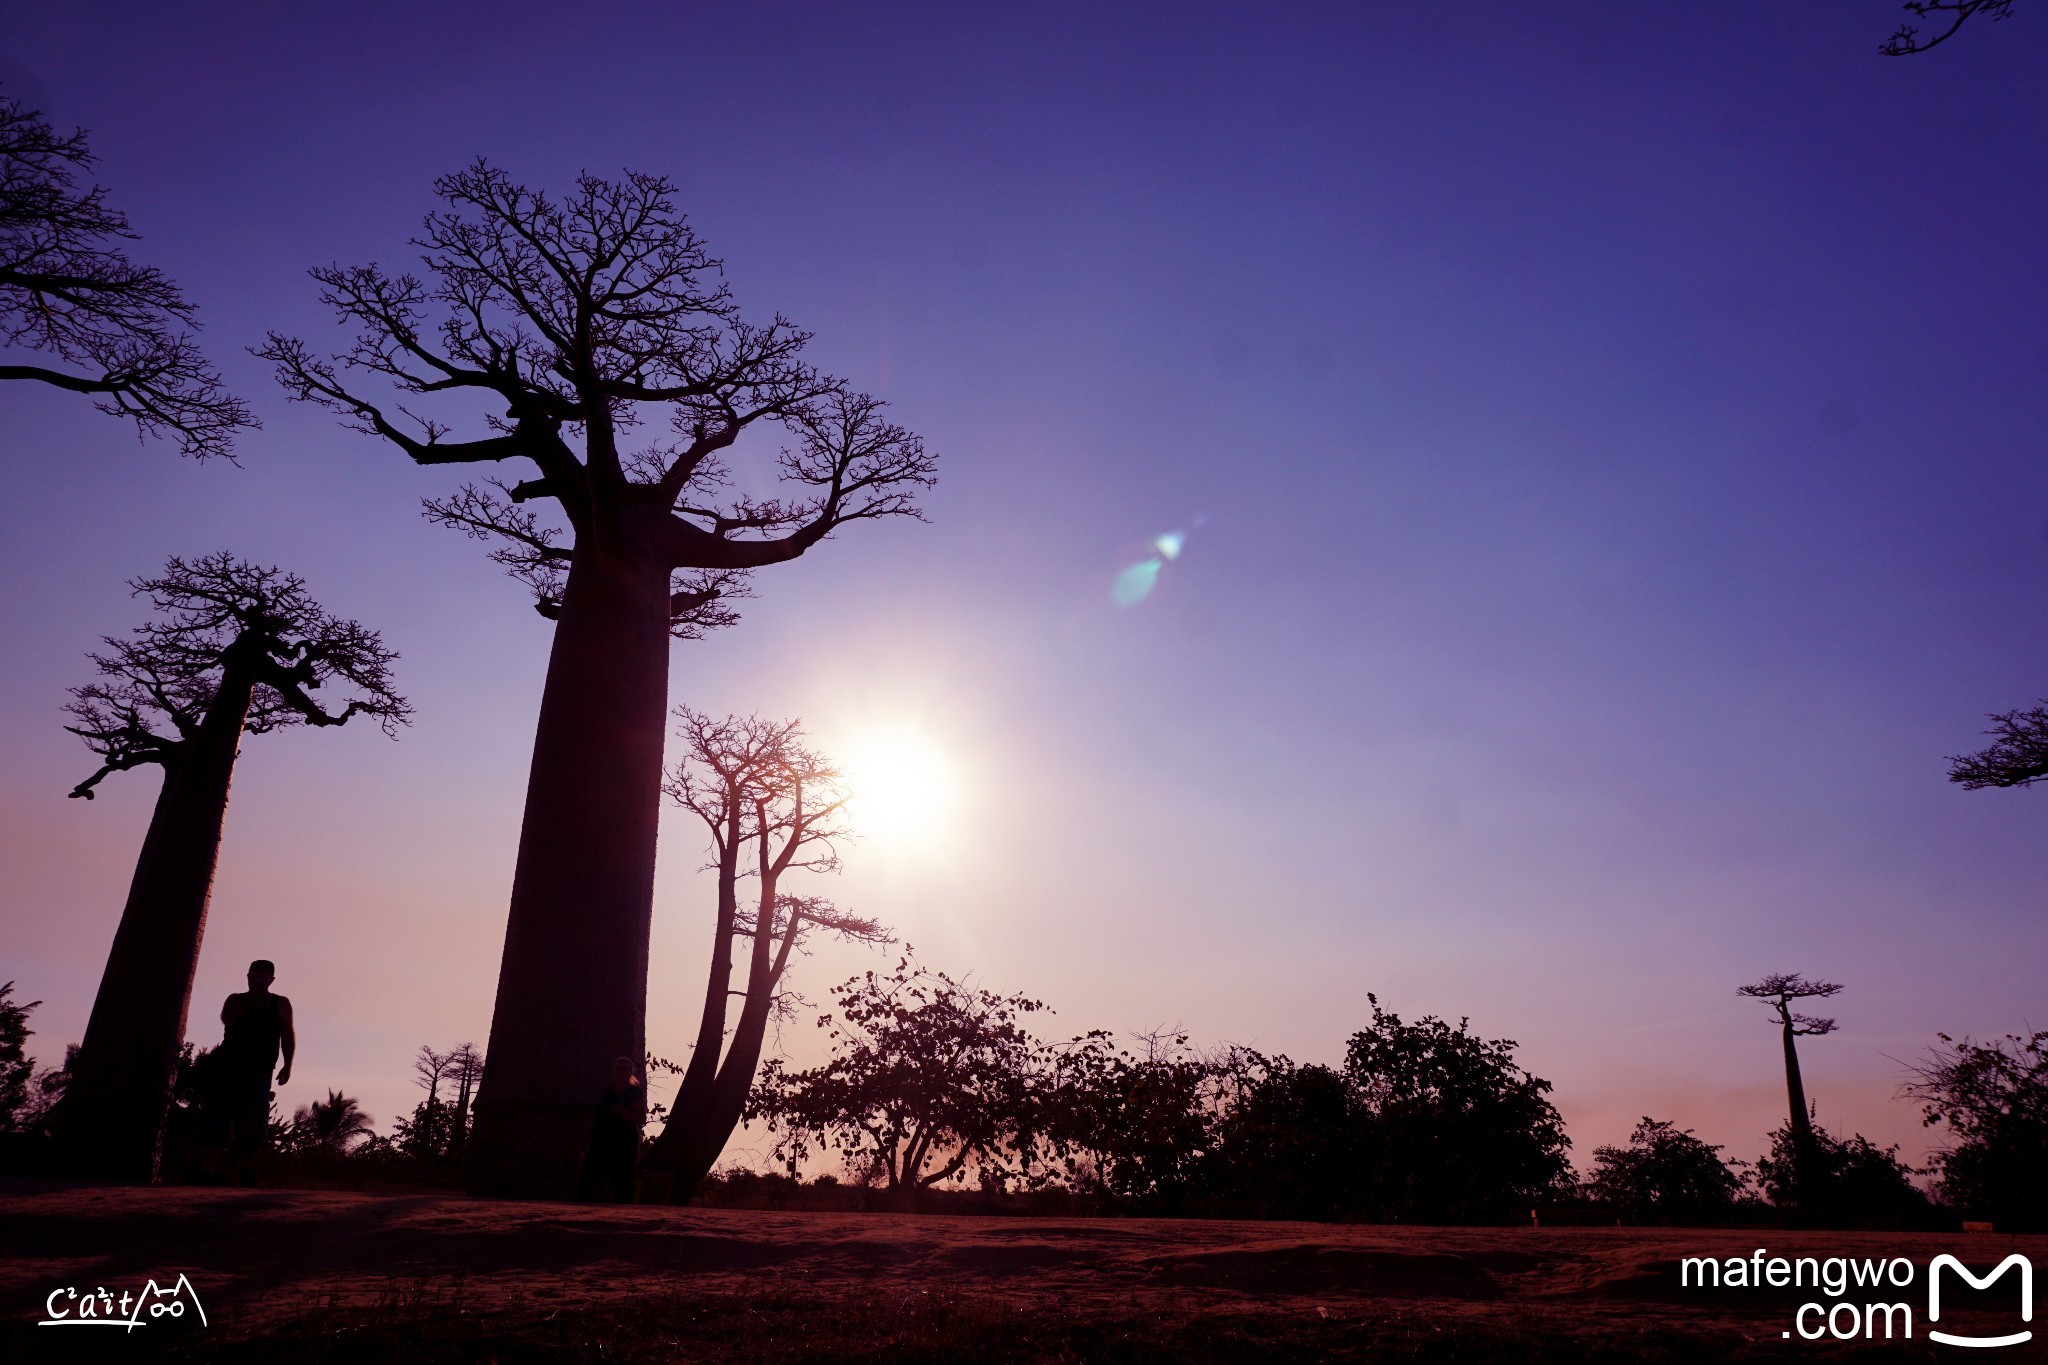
{"points": [[119, 331], [601, 331], [1781, 991], [772, 808], [235, 650]]}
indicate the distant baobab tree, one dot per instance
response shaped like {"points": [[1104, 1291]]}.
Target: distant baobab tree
{"points": [[2018, 756], [1781, 991], [67, 290], [759, 791], [235, 650], [626, 374], [1954, 13]]}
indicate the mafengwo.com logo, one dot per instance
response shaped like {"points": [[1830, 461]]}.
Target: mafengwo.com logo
{"points": [[1872, 1299]]}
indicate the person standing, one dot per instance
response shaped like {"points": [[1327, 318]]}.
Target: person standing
{"points": [[614, 1138], [256, 1025]]}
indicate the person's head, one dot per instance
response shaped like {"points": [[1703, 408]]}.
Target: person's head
{"points": [[261, 973], [622, 1070]]}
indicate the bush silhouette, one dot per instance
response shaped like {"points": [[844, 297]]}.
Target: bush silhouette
{"points": [[1664, 1173]]}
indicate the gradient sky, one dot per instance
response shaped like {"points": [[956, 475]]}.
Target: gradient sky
{"points": [[1619, 430]]}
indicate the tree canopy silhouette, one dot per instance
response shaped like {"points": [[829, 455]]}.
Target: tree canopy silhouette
{"points": [[592, 339], [122, 331], [930, 1079], [1664, 1172], [235, 650], [1840, 1182], [1993, 1098]]}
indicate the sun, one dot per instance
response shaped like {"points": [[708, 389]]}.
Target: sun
{"points": [[902, 788]]}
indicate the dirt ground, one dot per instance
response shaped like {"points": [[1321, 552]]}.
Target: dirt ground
{"points": [[291, 1275]]}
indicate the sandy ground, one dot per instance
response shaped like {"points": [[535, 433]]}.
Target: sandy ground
{"points": [[267, 1263]]}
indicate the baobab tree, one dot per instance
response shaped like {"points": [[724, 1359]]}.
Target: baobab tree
{"points": [[119, 331], [235, 650], [627, 377], [758, 790], [1781, 991]]}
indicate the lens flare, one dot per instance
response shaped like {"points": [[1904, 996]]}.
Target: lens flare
{"points": [[1137, 582]]}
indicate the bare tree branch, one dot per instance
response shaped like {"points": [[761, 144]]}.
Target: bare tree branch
{"points": [[67, 291], [1907, 41]]}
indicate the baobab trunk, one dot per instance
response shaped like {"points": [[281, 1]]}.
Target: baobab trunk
{"points": [[109, 1124], [572, 987], [1804, 1149], [1802, 1125]]}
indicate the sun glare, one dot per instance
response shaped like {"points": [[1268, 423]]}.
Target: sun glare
{"points": [[902, 788]]}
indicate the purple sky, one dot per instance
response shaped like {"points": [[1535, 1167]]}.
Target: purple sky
{"points": [[1619, 429]]}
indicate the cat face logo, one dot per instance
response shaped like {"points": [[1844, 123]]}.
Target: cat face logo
{"points": [[2026, 1270]]}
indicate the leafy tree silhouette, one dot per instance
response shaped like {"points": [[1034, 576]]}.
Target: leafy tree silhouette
{"points": [[1138, 1129], [17, 1068], [929, 1078], [1844, 1182], [588, 317], [1665, 1172], [67, 290], [235, 650], [1425, 1122], [1993, 1098]]}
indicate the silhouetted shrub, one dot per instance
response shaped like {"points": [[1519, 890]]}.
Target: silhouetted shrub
{"points": [[1854, 1182], [1664, 1173], [1134, 1130], [1425, 1122]]}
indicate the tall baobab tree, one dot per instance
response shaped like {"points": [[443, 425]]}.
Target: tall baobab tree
{"points": [[234, 650], [758, 790], [120, 331], [1781, 991], [627, 378]]}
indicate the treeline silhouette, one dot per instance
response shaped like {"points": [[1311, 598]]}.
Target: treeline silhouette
{"points": [[936, 1096]]}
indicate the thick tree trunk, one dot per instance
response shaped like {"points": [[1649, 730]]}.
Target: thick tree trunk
{"points": [[1802, 1124], [1805, 1151], [572, 987], [110, 1122]]}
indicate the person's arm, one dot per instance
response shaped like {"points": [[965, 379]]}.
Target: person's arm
{"points": [[288, 1037], [230, 1009]]}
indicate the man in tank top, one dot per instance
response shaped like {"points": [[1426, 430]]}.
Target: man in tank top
{"points": [[256, 1025]]}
